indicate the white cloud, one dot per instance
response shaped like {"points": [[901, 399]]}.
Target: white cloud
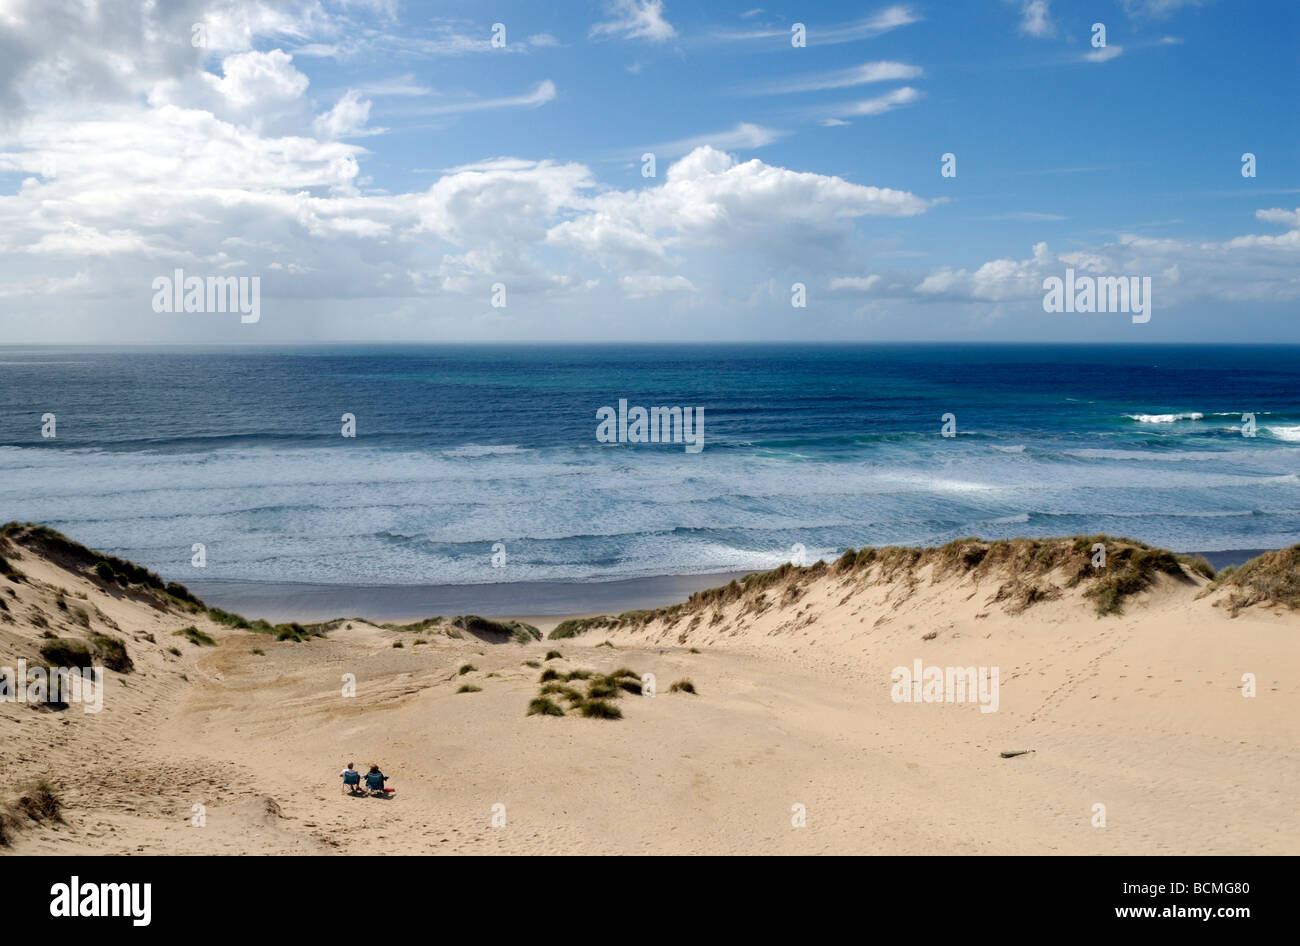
{"points": [[1249, 268], [878, 105], [257, 79], [1035, 18], [744, 135], [544, 92], [856, 283], [890, 18], [857, 75], [710, 201], [635, 19], [1157, 9], [347, 119], [1290, 218], [1104, 54]]}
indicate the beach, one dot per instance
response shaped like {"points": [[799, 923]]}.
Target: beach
{"points": [[794, 740]]}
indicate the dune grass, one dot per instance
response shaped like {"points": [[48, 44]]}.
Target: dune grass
{"points": [[195, 636], [37, 803], [544, 706], [600, 709], [1269, 579]]}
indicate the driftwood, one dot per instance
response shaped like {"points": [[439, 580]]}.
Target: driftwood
{"points": [[1015, 752]]}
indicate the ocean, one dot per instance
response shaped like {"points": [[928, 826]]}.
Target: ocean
{"points": [[466, 453]]}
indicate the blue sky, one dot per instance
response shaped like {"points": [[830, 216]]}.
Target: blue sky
{"points": [[380, 166]]}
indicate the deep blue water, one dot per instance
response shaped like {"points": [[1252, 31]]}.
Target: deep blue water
{"points": [[459, 447]]}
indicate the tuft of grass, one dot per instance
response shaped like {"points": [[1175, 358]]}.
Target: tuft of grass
{"points": [[227, 619], [173, 651], [532, 663], [682, 686], [37, 803], [195, 636], [602, 688], [8, 571], [599, 709], [398, 645], [604, 644], [554, 655], [425, 625], [550, 673], [63, 652], [575, 626], [111, 653], [258, 651], [470, 688], [632, 686], [543, 706], [466, 668], [694, 650], [579, 675]]}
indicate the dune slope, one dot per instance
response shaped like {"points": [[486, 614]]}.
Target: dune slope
{"points": [[1127, 683]]}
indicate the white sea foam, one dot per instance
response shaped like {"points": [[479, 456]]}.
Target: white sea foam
{"points": [[1164, 418], [1285, 433]]}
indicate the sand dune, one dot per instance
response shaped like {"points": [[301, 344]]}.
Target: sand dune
{"points": [[1140, 709]]}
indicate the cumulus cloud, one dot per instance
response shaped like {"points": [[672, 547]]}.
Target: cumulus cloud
{"points": [[709, 200], [1249, 268], [257, 79], [347, 119]]}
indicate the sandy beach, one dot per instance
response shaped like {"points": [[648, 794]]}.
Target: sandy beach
{"points": [[794, 719]]}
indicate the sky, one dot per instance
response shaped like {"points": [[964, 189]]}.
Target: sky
{"points": [[429, 171]]}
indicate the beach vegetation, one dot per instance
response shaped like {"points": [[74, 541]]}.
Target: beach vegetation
{"points": [[64, 652], [195, 636], [111, 652], [544, 706], [600, 709]]}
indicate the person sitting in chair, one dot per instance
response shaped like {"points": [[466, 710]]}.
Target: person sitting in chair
{"points": [[351, 777], [375, 780]]}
